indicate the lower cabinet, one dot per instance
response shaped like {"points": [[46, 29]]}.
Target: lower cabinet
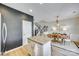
{"points": [[40, 49], [43, 50], [56, 51]]}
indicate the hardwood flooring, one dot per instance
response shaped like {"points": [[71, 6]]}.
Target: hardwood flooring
{"points": [[20, 51]]}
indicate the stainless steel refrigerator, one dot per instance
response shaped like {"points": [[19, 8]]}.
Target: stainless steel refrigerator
{"points": [[9, 37], [10, 28]]}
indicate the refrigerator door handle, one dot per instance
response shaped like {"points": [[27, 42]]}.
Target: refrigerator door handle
{"points": [[4, 32]]}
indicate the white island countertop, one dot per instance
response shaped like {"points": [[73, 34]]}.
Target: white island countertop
{"points": [[44, 39], [70, 47], [40, 39]]}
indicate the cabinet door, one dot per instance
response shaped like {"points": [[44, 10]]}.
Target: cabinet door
{"points": [[67, 52], [47, 49], [38, 49], [56, 51]]}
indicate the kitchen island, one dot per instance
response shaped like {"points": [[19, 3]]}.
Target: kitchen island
{"points": [[41, 45], [44, 47]]}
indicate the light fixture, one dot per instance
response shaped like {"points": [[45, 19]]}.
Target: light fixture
{"points": [[64, 28], [54, 28], [41, 3], [30, 10], [57, 22], [58, 27]]}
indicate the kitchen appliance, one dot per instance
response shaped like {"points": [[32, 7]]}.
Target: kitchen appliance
{"points": [[10, 29]]}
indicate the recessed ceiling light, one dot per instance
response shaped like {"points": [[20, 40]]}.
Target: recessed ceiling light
{"points": [[41, 3], [30, 10]]}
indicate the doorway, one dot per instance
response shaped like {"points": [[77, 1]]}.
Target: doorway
{"points": [[26, 31]]}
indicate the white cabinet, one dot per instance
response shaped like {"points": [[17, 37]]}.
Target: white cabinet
{"points": [[56, 51], [47, 49], [43, 50]]}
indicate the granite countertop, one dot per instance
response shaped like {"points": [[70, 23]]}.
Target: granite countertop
{"points": [[40, 39], [70, 47]]}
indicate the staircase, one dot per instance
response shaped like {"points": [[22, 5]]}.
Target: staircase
{"points": [[40, 29]]}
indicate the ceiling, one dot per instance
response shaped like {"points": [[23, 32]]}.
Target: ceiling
{"points": [[47, 11]]}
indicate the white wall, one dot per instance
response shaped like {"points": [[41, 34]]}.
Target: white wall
{"points": [[72, 23], [19, 6]]}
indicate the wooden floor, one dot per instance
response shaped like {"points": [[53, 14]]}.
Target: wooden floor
{"points": [[77, 43], [20, 51]]}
